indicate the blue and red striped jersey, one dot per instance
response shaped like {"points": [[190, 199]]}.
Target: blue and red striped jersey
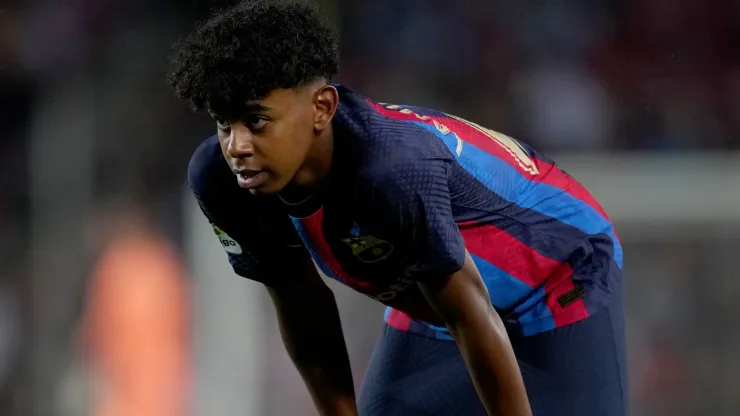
{"points": [[410, 190]]}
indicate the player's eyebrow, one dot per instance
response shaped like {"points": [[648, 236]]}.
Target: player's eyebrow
{"points": [[246, 109], [252, 107]]}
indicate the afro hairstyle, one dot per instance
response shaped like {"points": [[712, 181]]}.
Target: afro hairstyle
{"points": [[243, 53]]}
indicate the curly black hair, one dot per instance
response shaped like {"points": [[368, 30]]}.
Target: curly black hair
{"points": [[245, 52]]}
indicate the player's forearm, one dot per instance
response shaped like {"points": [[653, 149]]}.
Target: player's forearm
{"points": [[488, 353], [323, 362], [330, 387], [314, 340], [462, 301]]}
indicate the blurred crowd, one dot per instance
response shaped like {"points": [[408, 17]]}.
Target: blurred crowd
{"points": [[576, 75], [85, 116]]}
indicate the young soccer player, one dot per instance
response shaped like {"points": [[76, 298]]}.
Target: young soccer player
{"points": [[501, 273]]}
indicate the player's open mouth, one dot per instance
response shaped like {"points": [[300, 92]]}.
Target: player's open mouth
{"points": [[249, 179]]}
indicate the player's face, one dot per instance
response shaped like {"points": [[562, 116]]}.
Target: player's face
{"points": [[279, 139]]}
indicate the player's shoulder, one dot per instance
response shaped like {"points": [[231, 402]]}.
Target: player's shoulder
{"points": [[403, 180], [390, 152], [207, 167], [386, 139]]}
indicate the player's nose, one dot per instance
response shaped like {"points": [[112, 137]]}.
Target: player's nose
{"points": [[240, 142]]}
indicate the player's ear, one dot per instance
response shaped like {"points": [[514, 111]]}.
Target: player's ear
{"points": [[326, 99]]}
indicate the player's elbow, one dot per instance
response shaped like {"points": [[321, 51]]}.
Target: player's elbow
{"points": [[477, 316], [462, 300]]}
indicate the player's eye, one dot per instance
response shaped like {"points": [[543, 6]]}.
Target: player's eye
{"points": [[256, 123], [223, 124]]}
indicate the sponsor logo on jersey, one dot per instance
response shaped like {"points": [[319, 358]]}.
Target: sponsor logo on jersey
{"points": [[394, 290], [369, 249], [229, 244]]}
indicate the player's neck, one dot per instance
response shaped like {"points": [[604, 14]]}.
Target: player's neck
{"points": [[315, 168]]}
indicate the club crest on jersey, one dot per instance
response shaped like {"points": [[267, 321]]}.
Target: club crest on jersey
{"points": [[369, 249], [228, 243]]}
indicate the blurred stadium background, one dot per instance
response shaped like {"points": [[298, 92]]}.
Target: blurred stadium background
{"points": [[116, 299]]}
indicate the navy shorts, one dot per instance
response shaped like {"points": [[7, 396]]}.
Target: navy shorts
{"points": [[576, 370]]}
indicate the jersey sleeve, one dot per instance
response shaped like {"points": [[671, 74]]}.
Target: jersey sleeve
{"points": [[414, 200], [261, 244]]}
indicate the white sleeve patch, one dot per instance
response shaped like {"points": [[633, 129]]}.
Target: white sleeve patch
{"points": [[228, 243]]}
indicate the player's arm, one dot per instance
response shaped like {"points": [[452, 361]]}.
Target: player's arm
{"points": [[262, 245], [415, 198], [312, 334], [307, 315], [462, 301]]}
